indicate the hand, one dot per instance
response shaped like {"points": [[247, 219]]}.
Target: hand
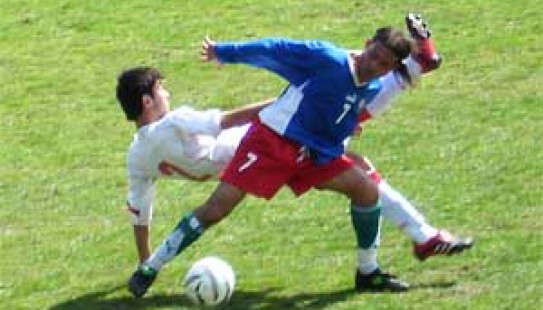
{"points": [[208, 50]]}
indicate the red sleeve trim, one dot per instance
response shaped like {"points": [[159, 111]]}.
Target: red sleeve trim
{"points": [[364, 116]]}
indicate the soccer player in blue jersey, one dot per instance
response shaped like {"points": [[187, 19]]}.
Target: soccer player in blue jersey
{"points": [[299, 141]]}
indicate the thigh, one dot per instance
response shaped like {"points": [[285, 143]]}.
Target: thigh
{"points": [[360, 161], [356, 185], [308, 175], [365, 164]]}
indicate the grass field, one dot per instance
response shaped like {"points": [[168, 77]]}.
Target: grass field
{"points": [[466, 146]]}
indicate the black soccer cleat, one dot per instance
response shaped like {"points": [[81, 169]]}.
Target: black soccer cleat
{"points": [[141, 280], [442, 244], [419, 30], [417, 27], [379, 281]]}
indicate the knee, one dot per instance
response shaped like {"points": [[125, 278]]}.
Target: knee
{"points": [[366, 196], [365, 201]]}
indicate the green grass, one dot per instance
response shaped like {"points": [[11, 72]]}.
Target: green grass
{"points": [[465, 146]]}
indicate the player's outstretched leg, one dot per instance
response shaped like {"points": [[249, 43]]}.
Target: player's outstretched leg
{"points": [[396, 208], [443, 243], [427, 57], [427, 240], [188, 230], [223, 200]]}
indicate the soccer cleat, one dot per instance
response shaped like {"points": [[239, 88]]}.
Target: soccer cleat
{"points": [[442, 244], [417, 27], [378, 281], [426, 56], [141, 280]]}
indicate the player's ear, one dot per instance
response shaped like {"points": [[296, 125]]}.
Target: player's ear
{"points": [[368, 42], [146, 100], [357, 57]]}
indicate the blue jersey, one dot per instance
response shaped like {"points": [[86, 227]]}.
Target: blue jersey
{"points": [[320, 107]]}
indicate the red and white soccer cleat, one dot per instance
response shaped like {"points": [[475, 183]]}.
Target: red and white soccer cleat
{"points": [[442, 244], [427, 57]]}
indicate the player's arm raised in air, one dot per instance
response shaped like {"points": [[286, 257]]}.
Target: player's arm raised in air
{"points": [[291, 59]]}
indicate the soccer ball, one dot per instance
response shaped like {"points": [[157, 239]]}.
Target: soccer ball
{"points": [[209, 282]]}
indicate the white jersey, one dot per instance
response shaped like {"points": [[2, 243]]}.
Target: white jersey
{"points": [[184, 144]]}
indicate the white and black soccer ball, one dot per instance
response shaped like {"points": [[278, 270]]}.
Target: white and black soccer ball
{"points": [[210, 282]]}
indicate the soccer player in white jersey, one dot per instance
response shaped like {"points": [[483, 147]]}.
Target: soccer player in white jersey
{"points": [[195, 145], [180, 144]]}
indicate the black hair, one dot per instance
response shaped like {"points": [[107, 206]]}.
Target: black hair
{"points": [[395, 40], [400, 44], [132, 84]]}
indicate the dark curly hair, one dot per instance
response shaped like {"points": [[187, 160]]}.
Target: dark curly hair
{"points": [[132, 84], [401, 45]]}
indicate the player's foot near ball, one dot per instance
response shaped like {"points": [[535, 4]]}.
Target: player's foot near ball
{"points": [[379, 281], [141, 280], [443, 243]]}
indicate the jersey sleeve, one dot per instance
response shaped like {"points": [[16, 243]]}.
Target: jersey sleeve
{"points": [[189, 120], [392, 84], [140, 200], [291, 59]]}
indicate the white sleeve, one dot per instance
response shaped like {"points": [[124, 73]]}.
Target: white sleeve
{"points": [[392, 84], [140, 200], [226, 144], [197, 122]]}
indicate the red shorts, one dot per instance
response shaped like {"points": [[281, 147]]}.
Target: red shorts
{"points": [[265, 161]]}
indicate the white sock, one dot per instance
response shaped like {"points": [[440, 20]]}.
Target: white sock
{"points": [[155, 262], [367, 260], [165, 252], [397, 209], [188, 230], [413, 67]]}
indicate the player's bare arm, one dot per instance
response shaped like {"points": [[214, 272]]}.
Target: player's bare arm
{"points": [[244, 114], [143, 242]]}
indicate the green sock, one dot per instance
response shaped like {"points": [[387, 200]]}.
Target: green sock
{"points": [[185, 233], [191, 228], [366, 223]]}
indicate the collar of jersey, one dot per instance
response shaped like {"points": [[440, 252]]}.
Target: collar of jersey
{"points": [[357, 82]]}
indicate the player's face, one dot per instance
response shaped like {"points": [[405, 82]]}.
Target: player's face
{"points": [[375, 61], [161, 99]]}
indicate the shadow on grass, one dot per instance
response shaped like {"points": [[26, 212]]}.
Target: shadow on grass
{"points": [[262, 300], [436, 285], [248, 300]]}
